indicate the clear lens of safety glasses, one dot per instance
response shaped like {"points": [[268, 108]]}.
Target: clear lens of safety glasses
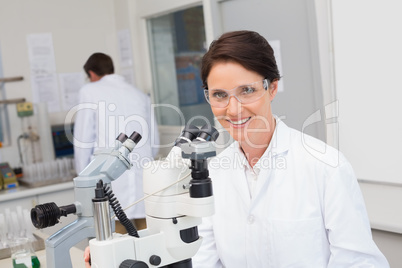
{"points": [[244, 94]]}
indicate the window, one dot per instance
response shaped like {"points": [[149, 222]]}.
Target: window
{"points": [[177, 44]]}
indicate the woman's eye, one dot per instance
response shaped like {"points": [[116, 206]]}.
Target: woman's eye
{"points": [[219, 95], [248, 90]]}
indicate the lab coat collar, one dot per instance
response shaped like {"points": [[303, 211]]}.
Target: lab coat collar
{"points": [[279, 144], [111, 77], [281, 138]]}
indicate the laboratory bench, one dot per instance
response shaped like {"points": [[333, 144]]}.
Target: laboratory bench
{"points": [[59, 193], [383, 202], [77, 255]]}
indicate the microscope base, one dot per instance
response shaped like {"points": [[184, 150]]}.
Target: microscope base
{"points": [[111, 253]]}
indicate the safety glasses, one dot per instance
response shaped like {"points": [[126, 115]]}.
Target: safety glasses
{"points": [[245, 94]]}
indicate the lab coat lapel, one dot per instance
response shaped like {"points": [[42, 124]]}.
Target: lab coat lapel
{"points": [[238, 175], [273, 162]]}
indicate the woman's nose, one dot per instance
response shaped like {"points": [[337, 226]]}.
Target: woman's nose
{"points": [[234, 106]]}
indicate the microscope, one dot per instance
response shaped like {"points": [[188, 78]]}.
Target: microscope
{"points": [[106, 166], [178, 193]]}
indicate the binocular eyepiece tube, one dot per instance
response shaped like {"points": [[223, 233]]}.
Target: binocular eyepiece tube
{"points": [[191, 132]]}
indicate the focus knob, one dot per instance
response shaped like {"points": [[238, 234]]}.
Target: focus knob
{"points": [[133, 264], [155, 260]]}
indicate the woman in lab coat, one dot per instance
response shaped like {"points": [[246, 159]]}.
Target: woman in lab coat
{"points": [[279, 201]]}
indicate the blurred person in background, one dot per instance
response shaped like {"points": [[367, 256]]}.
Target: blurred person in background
{"points": [[111, 106]]}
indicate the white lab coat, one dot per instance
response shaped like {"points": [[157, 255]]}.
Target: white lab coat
{"points": [[112, 106], [304, 212]]}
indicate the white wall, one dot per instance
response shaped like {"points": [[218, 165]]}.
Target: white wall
{"points": [[79, 28], [368, 58], [294, 24]]}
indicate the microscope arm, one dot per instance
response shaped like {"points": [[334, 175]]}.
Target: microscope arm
{"points": [[58, 245]]}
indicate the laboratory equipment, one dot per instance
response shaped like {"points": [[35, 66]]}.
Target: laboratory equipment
{"points": [[24, 109], [107, 166], [23, 254], [33, 142], [5, 131], [174, 206], [179, 193], [48, 172], [63, 147], [15, 223], [7, 177]]}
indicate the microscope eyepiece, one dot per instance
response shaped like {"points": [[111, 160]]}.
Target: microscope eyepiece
{"points": [[135, 137], [132, 141], [190, 132], [122, 137], [208, 133]]}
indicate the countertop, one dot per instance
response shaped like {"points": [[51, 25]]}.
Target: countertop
{"points": [[77, 256], [22, 191]]}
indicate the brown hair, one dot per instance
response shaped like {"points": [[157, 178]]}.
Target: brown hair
{"points": [[247, 48], [99, 63]]}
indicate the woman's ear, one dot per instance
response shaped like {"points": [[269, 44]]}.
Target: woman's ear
{"points": [[273, 89]]}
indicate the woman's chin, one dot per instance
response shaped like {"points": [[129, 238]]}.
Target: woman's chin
{"points": [[237, 134]]}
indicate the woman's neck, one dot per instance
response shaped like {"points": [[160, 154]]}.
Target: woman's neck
{"points": [[254, 150]]}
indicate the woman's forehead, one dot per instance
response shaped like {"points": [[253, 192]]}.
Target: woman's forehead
{"points": [[227, 75]]}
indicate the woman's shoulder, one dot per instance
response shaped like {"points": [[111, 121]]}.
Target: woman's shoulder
{"points": [[314, 150]]}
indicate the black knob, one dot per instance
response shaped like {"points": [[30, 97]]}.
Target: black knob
{"points": [[155, 260], [133, 264]]}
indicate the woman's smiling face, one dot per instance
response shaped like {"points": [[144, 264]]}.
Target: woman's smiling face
{"points": [[245, 122]]}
